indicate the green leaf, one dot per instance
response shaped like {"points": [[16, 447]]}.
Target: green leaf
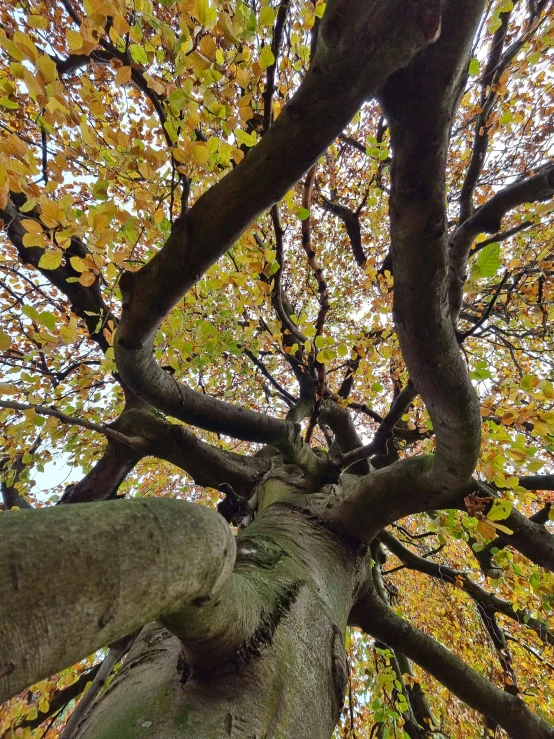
{"points": [[5, 102], [30, 312], [206, 14], [319, 341], [177, 100], [267, 57], [342, 350], [474, 67], [494, 25], [267, 17], [275, 266], [500, 510], [48, 320], [504, 529], [138, 54], [488, 260], [303, 214], [248, 139]]}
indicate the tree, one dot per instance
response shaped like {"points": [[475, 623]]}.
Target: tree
{"points": [[206, 302]]}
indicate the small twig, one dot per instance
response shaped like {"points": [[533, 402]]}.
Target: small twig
{"points": [[136, 442]]}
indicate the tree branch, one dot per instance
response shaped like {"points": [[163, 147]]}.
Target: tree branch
{"points": [[508, 711], [370, 45], [419, 104], [489, 603], [488, 218], [60, 620]]}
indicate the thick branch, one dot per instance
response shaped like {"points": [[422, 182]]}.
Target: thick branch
{"points": [[370, 45], [488, 602], [419, 104], [508, 711], [108, 582]]}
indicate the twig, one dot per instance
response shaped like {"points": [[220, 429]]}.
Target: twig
{"points": [[136, 442]]}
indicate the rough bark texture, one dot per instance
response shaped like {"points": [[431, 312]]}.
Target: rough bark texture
{"points": [[278, 673], [131, 561]]}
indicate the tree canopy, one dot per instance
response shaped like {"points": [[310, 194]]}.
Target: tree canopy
{"points": [[257, 240]]}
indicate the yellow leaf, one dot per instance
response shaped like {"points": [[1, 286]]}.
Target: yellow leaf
{"points": [[51, 259], [87, 132], [77, 264], [243, 77], [5, 341], [87, 279], [121, 25], [111, 271], [69, 333], [486, 529], [30, 240], [200, 153], [43, 705], [12, 49], [26, 45], [198, 62], [31, 226], [37, 21], [74, 39], [123, 75], [48, 69]]}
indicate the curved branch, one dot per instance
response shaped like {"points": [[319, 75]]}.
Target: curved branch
{"points": [[42, 410], [508, 711], [489, 603], [352, 224], [113, 582], [488, 218], [371, 45], [419, 104]]}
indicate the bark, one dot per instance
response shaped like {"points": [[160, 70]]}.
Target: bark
{"points": [[131, 561], [419, 103], [271, 663]]}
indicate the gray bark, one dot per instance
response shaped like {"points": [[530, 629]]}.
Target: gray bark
{"points": [[279, 674]]}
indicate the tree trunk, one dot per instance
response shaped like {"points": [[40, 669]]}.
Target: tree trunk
{"points": [[285, 681]]}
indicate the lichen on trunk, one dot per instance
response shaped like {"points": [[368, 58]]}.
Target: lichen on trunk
{"points": [[280, 675]]}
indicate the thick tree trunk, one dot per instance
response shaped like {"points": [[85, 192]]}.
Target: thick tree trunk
{"points": [[286, 681]]}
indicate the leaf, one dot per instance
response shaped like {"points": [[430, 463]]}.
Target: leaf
{"points": [[5, 341], [206, 14], [123, 75], [267, 57], [488, 260], [303, 214], [77, 264], [486, 529], [87, 279], [248, 139], [48, 320], [266, 19], [74, 39], [51, 259], [500, 510], [138, 54], [32, 226], [504, 529], [342, 350], [48, 69], [474, 67]]}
